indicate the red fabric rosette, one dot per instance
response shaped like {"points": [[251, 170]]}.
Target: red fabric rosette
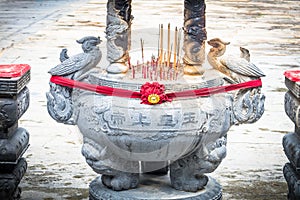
{"points": [[153, 93]]}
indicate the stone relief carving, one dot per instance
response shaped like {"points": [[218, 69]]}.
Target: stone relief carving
{"points": [[59, 103], [291, 107], [248, 106], [11, 110]]}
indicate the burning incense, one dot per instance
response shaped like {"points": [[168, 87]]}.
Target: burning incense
{"points": [[161, 43], [169, 56], [164, 66], [142, 48], [178, 46], [175, 47], [133, 72], [168, 51], [158, 42], [160, 67]]}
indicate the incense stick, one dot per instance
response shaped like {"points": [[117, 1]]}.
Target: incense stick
{"points": [[169, 56], [178, 46], [158, 42], [161, 42], [175, 47], [142, 47], [162, 67], [168, 51]]}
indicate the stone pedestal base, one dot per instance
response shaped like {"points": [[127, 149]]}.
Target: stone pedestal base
{"points": [[9, 181], [155, 187], [293, 181], [291, 148]]}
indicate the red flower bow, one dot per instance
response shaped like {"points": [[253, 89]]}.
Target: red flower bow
{"points": [[153, 93]]}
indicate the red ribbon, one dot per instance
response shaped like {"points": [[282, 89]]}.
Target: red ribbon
{"points": [[94, 88], [203, 92]]}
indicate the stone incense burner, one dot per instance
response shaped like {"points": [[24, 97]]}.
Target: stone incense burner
{"points": [[123, 138]]}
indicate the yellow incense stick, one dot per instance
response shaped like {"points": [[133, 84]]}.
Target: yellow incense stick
{"points": [[168, 53], [161, 42]]}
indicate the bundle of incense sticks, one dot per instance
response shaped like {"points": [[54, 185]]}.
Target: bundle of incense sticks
{"points": [[153, 70], [160, 67]]}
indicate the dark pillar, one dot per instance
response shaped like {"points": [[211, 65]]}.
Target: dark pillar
{"points": [[194, 36], [14, 101], [291, 141], [118, 24]]}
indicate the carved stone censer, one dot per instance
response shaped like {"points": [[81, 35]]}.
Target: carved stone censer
{"points": [[136, 120]]}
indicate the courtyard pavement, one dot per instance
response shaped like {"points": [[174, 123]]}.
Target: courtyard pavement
{"points": [[34, 32]]}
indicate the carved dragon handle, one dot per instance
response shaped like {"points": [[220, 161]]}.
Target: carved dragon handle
{"points": [[248, 106]]}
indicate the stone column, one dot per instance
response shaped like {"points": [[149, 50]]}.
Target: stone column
{"points": [[291, 141], [194, 37], [14, 101], [118, 24]]}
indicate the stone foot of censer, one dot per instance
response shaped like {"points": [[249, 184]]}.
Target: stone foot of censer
{"points": [[155, 112]]}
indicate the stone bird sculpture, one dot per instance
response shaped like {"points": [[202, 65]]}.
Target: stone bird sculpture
{"points": [[73, 67], [59, 98], [236, 68]]}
